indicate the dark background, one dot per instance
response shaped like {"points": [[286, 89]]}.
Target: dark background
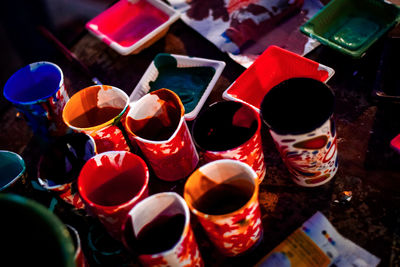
{"points": [[21, 42]]}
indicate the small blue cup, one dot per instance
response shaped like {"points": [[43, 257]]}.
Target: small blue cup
{"points": [[37, 90]]}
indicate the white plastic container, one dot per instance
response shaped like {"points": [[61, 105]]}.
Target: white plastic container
{"points": [[151, 74], [122, 19]]}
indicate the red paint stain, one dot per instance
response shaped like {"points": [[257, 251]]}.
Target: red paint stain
{"points": [[235, 5], [313, 143], [331, 152]]}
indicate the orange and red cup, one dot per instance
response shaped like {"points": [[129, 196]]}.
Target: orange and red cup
{"points": [[100, 112], [223, 194]]}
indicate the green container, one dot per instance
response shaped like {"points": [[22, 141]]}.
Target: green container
{"points": [[352, 26], [31, 235]]}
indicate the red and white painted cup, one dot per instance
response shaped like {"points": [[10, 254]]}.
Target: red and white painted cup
{"points": [[230, 130], [299, 113], [100, 112], [223, 194], [158, 230], [156, 121], [110, 184]]}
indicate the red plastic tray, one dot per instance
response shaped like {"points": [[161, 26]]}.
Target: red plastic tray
{"points": [[272, 67]]}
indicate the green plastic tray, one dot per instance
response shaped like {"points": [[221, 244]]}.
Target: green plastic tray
{"points": [[352, 26]]}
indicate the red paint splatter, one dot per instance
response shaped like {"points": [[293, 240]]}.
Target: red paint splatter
{"points": [[313, 143]]}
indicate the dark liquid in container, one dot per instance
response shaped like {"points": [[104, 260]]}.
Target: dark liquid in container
{"points": [[189, 83], [65, 157], [8, 172], [157, 128], [225, 137], [297, 106], [222, 199], [95, 116], [224, 126], [159, 235], [117, 190]]}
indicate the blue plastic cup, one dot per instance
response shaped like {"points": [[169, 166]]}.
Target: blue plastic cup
{"points": [[37, 90]]}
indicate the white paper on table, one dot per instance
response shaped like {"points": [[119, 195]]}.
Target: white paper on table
{"points": [[333, 248], [214, 25]]}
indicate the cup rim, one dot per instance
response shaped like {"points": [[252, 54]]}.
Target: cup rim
{"points": [[78, 246], [23, 165], [185, 227], [91, 241], [104, 124], [121, 205], [315, 125], [31, 65], [54, 224], [257, 117], [181, 121], [253, 197]]}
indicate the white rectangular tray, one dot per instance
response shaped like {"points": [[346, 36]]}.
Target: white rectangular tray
{"points": [[151, 74], [148, 39]]}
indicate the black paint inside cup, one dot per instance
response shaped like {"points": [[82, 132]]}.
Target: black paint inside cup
{"points": [[224, 125], [222, 199], [159, 235], [297, 106], [65, 157]]}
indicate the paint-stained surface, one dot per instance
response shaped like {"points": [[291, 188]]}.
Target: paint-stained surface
{"points": [[244, 29]]}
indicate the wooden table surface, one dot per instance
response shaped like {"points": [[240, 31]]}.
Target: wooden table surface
{"points": [[367, 165]]}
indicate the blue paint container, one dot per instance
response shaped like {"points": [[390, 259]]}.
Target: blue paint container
{"points": [[37, 90]]}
